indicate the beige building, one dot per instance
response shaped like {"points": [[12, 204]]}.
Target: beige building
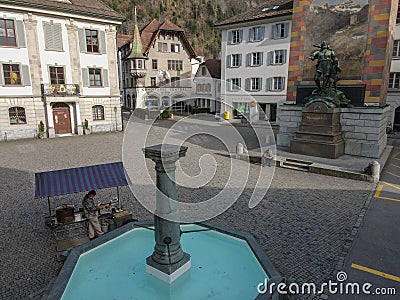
{"points": [[58, 65], [162, 75]]}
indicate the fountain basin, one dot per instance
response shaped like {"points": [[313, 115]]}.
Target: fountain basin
{"points": [[225, 264]]}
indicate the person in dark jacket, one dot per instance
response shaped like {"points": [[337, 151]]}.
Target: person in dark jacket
{"points": [[91, 211]]}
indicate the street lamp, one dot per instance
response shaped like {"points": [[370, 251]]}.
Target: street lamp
{"points": [[115, 112]]}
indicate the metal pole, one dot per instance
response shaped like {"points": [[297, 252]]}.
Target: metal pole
{"points": [[119, 203], [48, 201]]}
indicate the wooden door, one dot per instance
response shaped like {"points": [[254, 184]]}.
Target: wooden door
{"points": [[62, 118]]}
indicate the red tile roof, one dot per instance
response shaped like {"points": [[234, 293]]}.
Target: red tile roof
{"points": [[214, 67], [169, 26]]}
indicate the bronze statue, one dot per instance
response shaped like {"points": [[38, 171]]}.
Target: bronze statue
{"points": [[327, 68]]}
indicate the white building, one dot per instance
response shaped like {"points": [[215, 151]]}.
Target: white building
{"points": [[255, 52], [208, 85], [58, 65], [393, 98]]}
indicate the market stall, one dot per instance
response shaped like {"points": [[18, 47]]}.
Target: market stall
{"points": [[67, 221]]}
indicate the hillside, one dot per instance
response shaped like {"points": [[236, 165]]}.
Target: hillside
{"points": [[196, 17]]}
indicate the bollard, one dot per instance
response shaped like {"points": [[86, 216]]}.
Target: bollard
{"points": [[239, 150], [375, 170]]}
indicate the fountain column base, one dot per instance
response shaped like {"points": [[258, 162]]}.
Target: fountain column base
{"points": [[168, 273]]}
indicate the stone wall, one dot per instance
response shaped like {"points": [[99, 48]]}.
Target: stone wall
{"points": [[364, 130], [289, 119]]}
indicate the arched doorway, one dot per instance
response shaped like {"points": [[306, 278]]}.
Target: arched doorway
{"points": [[62, 118], [396, 123]]}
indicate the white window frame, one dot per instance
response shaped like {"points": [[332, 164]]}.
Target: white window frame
{"points": [[256, 59], [396, 49], [394, 81], [256, 34], [235, 61], [255, 84], [236, 37]]}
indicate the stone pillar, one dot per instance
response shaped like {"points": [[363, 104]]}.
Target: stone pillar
{"points": [[78, 119], [74, 55], [168, 260], [33, 53], [50, 123], [111, 38]]}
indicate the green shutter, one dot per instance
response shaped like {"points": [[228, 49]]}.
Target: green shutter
{"points": [[21, 34], [26, 78], [82, 39], [85, 77], [102, 41], [1, 75], [105, 78]]}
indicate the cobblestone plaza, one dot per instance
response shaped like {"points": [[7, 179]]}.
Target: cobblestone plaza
{"points": [[302, 224]]}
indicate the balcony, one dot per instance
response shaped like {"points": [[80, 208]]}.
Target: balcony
{"points": [[60, 90]]}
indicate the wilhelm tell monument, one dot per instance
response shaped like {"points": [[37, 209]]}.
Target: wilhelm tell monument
{"points": [[323, 116]]}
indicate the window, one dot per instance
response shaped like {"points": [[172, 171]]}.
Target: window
{"points": [[396, 48], [256, 34], [235, 36], [276, 83], [12, 74], [57, 75], [203, 71], [7, 33], [153, 81], [52, 36], [175, 48], [92, 41], [162, 47], [277, 57], [176, 65], [137, 64], [17, 115], [234, 60], [280, 30], [398, 15], [95, 77], [255, 84], [98, 112], [175, 81], [254, 59], [394, 81], [154, 64], [234, 84]]}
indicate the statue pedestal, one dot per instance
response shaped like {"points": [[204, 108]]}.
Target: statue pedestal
{"points": [[319, 133]]}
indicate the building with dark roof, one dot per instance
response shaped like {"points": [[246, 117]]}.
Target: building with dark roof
{"points": [[167, 62], [58, 67], [255, 55]]}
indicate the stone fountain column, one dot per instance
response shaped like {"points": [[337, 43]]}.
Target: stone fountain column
{"points": [[168, 260]]}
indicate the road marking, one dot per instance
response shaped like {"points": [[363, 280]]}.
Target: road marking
{"points": [[395, 158], [395, 175], [394, 155], [396, 166], [392, 185], [376, 272], [378, 194]]}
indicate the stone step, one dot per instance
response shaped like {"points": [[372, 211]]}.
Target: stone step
{"points": [[293, 160], [297, 166], [285, 166]]}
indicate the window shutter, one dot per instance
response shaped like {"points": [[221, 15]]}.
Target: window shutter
{"points": [[283, 83], [21, 34], [48, 36], [82, 39], [248, 59], [247, 84], [240, 59], [273, 31], [260, 84], [105, 78], [85, 77], [228, 84], [270, 58], [229, 61], [284, 56], [286, 29], [1, 75], [57, 37], [102, 41], [261, 58], [26, 78], [269, 84], [262, 31], [240, 35], [240, 83], [251, 38], [229, 37]]}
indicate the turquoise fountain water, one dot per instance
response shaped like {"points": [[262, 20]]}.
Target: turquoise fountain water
{"points": [[223, 267]]}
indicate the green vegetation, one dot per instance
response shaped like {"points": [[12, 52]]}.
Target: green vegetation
{"points": [[200, 110], [196, 17]]}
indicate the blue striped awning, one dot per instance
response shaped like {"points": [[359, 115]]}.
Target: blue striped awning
{"points": [[68, 181]]}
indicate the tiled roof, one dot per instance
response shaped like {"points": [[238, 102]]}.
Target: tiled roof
{"points": [[84, 7], [214, 67], [150, 33], [270, 9]]}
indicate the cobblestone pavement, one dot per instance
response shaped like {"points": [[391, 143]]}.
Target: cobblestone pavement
{"points": [[302, 222]]}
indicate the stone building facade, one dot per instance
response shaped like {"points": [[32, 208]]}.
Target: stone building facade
{"points": [[58, 66]]}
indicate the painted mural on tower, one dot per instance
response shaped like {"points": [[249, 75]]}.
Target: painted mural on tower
{"points": [[344, 25]]}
